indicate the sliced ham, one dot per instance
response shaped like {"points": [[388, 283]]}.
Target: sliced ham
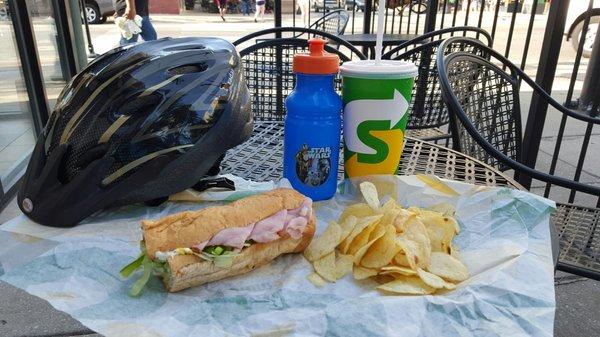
{"points": [[266, 229], [291, 221], [305, 209], [232, 237], [199, 247], [295, 227]]}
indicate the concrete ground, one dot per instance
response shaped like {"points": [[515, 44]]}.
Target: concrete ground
{"points": [[578, 299]]}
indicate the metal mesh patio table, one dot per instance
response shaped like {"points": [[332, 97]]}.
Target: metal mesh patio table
{"points": [[260, 159]]}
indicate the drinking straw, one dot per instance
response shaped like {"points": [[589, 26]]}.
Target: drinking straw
{"points": [[380, 29]]}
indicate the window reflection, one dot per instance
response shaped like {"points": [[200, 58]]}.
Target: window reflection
{"points": [[16, 126], [42, 19]]}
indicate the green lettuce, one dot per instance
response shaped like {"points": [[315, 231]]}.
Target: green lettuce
{"points": [[221, 256], [149, 267]]}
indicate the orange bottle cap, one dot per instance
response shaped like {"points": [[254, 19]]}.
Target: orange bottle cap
{"points": [[318, 61]]}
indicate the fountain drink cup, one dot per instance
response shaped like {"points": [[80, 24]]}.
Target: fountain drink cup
{"points": [[376, 96]]}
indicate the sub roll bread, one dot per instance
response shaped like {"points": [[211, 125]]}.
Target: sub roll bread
{"points": [[195, 247]]}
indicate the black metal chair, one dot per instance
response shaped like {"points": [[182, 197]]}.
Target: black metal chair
{"points": [[268, 65], [428, 112], [484, 104], [333, 22]]}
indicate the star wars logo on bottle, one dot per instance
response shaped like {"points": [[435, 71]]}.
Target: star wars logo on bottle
{"points": [[313, 165]]}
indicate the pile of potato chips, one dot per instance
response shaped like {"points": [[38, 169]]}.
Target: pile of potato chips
{"points": [[409, 251]]}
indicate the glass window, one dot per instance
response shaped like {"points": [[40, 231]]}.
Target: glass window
{"points": [[41, 15], [17, 135]]}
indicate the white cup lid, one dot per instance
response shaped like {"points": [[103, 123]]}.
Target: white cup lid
{"points": [[381, 69]]}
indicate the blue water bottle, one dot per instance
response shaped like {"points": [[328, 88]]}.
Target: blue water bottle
{"points": [[312, 124]]}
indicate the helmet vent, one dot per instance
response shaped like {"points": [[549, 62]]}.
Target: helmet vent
{"points": [[94, 153], [184, 48], [188, 69]]}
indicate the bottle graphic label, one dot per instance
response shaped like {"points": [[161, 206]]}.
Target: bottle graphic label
{"points": [[374, 134], [313, 165]]}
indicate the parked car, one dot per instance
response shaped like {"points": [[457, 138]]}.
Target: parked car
{"points": [[575, 21], [96, 11], [4, 13], [360, 5], [327, 5]]}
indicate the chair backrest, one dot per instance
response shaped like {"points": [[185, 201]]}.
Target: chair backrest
{"points": [[490, 98], [427, 106], [267, 60], [333, 22], [484, 103]]}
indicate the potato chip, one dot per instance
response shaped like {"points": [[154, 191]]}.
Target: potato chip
{"points": [[343, 265], [417, 232], [325, 267], [448, 267], [409, 285], [455, 252], [401, 218], [434, 281], [369, 192], [382, 251], [441, 232], [389, 217], [401, 260], [375, 235], [385, 278], [392, 273], [388, 206], [317, 280], [378, 231], [454, 223], [436, 236], [449, 225], [347, 226], [410, 250], [399, 270], [362, 238], [361, 273], [444, 208], [358, 228], [437, 184], [325, 243], [358, 210]]}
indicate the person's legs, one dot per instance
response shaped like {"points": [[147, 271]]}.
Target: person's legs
{"points": [[262, 12], [304, 8], [148, 33], [222, 6], [257, 12]]}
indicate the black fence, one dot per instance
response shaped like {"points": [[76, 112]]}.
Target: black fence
{"points": [[420, 16]]}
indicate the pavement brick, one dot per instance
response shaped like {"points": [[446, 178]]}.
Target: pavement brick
{"points": [[577, 306], [22, 314]]}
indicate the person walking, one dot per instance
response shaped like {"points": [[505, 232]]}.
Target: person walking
{"points": [[260, 9], [222, 6], [129, 9], [304, 6], [245, 7]]}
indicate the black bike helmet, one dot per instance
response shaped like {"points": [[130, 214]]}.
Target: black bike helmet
{"points": [[139, 123]]}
